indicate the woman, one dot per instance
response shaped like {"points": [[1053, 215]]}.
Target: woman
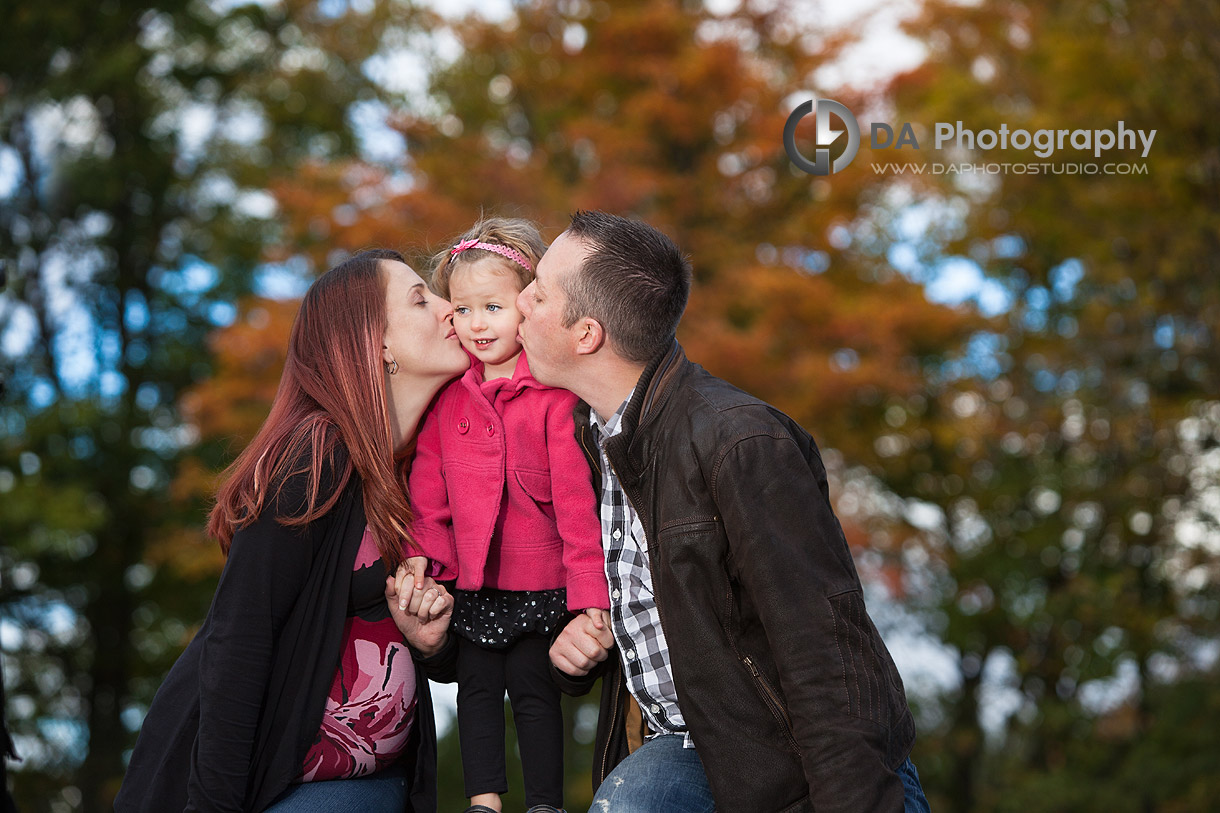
{"points": [[293, 678]]}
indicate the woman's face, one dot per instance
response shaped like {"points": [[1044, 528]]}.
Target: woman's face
{"points": [[419, 331]]}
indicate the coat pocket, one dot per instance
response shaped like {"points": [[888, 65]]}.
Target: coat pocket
{"points": [[773, 702], [535, 484], [688, 527]]}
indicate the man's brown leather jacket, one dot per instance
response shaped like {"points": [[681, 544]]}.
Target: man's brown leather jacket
{"points": [[791, 697]]}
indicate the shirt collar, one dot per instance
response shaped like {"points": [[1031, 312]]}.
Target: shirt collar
{"points": [[608, 428]]}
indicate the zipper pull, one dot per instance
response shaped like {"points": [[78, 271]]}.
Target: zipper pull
{"points": [[750, 665]]}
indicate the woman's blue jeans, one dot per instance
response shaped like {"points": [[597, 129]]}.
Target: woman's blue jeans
{"points": [[382, 792]]}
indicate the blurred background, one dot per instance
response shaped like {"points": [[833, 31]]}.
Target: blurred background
{"points": [[1014, 378]]}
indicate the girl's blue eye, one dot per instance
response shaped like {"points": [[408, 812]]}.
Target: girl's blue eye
{"points": [[462, 310], [493, 308]]}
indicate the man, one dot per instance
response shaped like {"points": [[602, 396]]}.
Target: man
{"points": [[749, 677]]}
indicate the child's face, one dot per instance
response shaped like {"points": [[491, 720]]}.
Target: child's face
{"points": [[485, 314]]}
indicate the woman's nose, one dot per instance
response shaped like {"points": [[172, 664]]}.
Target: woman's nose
{"points": [[445, 310]]}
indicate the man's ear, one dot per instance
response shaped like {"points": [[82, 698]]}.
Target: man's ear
{"points": [[590, 336]]}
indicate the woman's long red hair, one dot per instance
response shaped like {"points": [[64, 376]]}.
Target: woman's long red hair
{"points": [[331, 393]]}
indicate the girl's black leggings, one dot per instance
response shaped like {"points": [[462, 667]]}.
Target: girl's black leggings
{"points": [[524, 669]]}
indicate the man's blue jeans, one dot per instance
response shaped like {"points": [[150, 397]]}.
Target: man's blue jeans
{"points": [[659, 775], [913, 800], [662, 775]]}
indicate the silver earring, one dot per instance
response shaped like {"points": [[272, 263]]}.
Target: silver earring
{"points": [[392, 367]]}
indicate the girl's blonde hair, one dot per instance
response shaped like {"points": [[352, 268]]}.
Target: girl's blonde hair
{"points": [[514, 233]]}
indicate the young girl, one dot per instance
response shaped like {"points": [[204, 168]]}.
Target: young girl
{"points": [[504, 502]]}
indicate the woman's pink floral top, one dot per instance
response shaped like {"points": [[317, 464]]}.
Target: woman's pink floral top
{"points": [[371, 706]]}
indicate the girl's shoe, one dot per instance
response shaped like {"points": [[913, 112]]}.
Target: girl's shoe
{"points": [[480, 809], [544, 809]]}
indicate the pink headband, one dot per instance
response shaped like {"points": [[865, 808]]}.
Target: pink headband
{"points": [[503, 251]]}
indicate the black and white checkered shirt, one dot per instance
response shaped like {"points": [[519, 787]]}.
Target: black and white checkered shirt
{"points": [[634, 618]]}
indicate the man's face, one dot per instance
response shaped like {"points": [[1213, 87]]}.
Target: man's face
{"points": [[549, 346]]}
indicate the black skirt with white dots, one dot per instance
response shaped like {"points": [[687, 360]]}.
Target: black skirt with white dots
{"points": [[496, 619]]}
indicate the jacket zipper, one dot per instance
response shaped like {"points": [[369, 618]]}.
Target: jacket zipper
{"points": [[769, 697], [592, 458], [617, 691], [651, 542], [772, 700], [614, 710]]}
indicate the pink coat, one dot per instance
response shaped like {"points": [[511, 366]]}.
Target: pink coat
{"points": [[502, 493]]}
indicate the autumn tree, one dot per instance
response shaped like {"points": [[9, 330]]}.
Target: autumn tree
{"points": [[1071, 561], [1034, 484], [673, 114]]}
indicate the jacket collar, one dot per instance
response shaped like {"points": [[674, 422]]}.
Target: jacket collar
{"points": [[521, 378], [651, 392], [653, 388]]}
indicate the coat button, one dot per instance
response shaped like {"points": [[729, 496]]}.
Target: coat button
{"points": [[463, 426], [491, 430]]}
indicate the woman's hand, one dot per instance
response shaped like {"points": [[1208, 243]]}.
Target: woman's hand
{"points": [[421, 613]]}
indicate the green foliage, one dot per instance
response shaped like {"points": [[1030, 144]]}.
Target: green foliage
{"points": [[139, 139], [1034, 486], [1071, 543]]}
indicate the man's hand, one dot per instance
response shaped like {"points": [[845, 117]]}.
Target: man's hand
{"points": [[582, 645], [421, 613]]}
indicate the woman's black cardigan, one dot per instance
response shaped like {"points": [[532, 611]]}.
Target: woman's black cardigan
{"points": [[230, 727]]}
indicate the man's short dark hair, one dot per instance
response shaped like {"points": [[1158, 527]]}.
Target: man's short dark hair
{"points": [[635, 282]]}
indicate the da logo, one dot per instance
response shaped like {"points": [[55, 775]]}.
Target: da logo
{"points": [[825, 136]]}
